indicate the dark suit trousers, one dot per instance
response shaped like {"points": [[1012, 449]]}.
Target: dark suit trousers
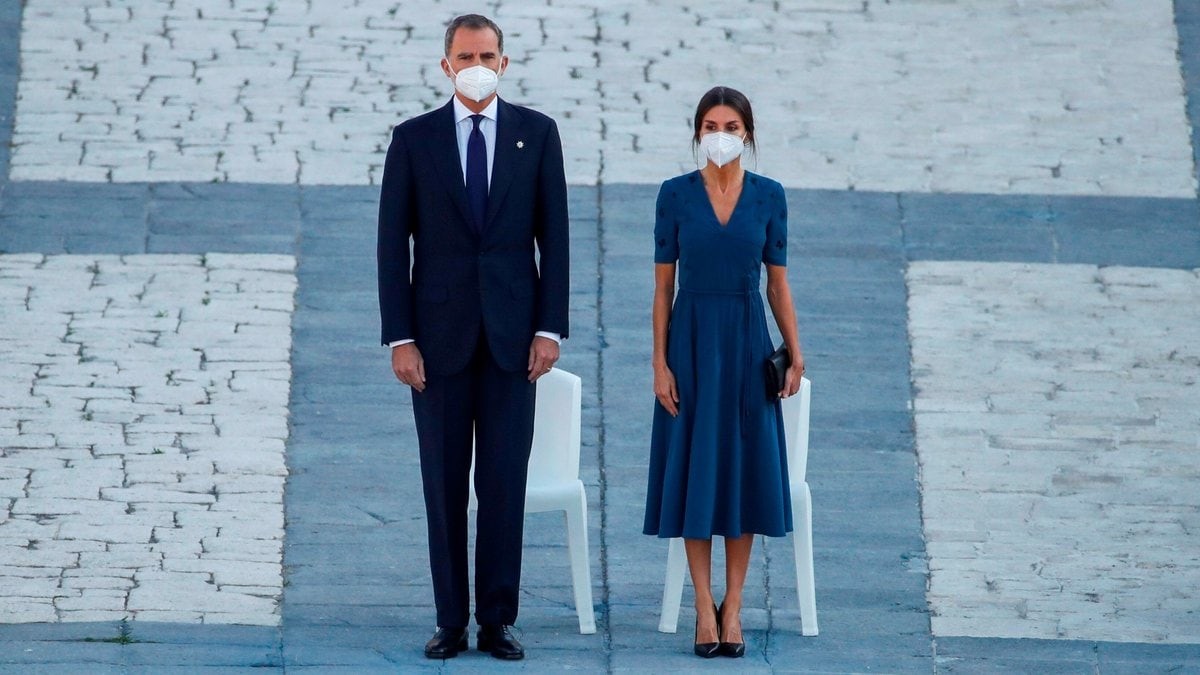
{"points": [[498, 405]]}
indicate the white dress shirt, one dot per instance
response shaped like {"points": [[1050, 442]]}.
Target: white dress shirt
{"points": [[487, 126]]}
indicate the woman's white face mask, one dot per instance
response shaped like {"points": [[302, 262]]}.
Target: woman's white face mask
{"points": [[722, 148], [476, 82]]}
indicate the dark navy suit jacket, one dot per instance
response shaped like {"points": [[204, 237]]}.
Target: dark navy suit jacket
{"points": [[461, 281]]}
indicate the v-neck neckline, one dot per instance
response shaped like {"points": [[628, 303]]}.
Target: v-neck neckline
{"points": [[712, 209]]}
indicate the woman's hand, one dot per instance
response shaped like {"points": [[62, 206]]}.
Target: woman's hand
{"points": [[665, 390], [791, 379], [779, 295]]}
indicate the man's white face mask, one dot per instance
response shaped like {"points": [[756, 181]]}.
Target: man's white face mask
{"points": [[476, 82], [722, 148]]}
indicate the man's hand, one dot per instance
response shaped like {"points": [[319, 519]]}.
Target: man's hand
{"points": [[408, 365], [543, 354]]}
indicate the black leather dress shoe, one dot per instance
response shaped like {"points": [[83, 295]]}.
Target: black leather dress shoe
{"points": [[446, 643], [500, 643]]}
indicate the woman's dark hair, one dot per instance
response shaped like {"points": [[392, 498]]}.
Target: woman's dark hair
{"points": [[729, 97], [473, 22]]}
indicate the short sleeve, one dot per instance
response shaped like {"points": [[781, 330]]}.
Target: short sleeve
{"points": [[775, 248], [666, 228]]}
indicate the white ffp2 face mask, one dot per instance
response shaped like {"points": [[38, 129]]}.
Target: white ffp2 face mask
{"points": [[476, 82], [722, 148]]}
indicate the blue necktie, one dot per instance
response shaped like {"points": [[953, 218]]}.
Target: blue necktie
{"points": [[477, 180]]}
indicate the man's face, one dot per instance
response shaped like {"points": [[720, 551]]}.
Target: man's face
{"points": [[474, 47]]}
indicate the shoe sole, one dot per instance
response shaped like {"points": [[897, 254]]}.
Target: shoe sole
{"points": [[502, 657], [448, 655]]}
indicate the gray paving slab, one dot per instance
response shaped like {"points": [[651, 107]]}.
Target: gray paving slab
{"points": [[1137, 232], [986, 227], [1187, 26], [10, 57], [188, 655], [139, 646], [56, 216], [187, 669]]}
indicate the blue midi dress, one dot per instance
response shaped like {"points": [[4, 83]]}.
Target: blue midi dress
{"points": [[720, 466]]}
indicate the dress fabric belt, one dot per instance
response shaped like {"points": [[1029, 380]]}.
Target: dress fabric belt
{"points": [[748, 325]]}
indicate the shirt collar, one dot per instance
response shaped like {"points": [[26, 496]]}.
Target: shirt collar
{"points": [[462, 112]]}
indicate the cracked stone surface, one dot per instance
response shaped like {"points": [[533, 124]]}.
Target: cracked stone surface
{"points": [[1057, 412], [143, 416], [1076, 97]]}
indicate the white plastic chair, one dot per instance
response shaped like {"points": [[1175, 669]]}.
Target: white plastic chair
{"points": [[795, 426], [553, 483]]}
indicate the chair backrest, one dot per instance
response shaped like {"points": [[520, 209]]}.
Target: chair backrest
{"points": [[795, 430], [554, 457]]}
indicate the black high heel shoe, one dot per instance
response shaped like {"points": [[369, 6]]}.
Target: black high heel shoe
{"points": [[734, 650], [708, 650]]}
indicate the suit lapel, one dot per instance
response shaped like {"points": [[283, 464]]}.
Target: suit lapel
{"points": [[443, 148], [508, 133]]}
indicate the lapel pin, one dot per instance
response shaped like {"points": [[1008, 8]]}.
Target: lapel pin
{"points": [[520, 144]]}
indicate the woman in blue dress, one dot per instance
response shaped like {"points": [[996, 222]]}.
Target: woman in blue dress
{"points": [[718, 461]]}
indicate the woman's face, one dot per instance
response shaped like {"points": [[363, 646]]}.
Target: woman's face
{"points": [[722, 118]]}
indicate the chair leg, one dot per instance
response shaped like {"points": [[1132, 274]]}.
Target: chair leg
{"points": [[802, 537], [581, 573], [668, 621]]}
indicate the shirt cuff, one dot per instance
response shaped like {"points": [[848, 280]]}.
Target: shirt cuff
{"points": [[557, 337]]}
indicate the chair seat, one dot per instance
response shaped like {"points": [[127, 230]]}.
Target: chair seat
{"points": [[551, 497]]}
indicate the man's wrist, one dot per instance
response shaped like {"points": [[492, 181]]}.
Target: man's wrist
{"points": [[397, 343], [557, 337]]}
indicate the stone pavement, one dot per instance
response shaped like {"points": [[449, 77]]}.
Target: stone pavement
{"points": [[355, 578], [1078, 97], [1024, 433], [143, 415]]}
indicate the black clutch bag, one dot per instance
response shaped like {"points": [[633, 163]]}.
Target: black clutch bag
{"points": [[777, 365]]}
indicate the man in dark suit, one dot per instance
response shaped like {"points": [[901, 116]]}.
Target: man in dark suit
{"points": [[477, 320]]}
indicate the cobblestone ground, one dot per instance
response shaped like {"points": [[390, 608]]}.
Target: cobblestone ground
{"points": [[944, 135], [1074, 97], [143, 415], [1057, 412]]}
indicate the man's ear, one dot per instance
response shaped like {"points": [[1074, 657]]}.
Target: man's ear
{"points": [[446, 69], [503, 65]]}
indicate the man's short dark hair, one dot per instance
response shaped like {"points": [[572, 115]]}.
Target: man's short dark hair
{"points": [[473, 22]]}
